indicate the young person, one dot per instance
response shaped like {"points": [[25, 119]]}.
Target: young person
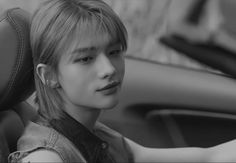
{"points": [[78, 51]]}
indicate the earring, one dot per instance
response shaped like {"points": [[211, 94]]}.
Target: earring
{"points": [[52, 84], [47, 83]]}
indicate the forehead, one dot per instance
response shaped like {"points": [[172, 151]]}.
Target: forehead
{"points": [[93, 40], [91, 37]]}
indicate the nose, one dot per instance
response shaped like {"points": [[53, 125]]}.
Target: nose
{"points": [[105, 67]]}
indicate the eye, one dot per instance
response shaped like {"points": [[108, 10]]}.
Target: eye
{"points": [[84, 60]]}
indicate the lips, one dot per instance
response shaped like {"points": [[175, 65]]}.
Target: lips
{"points": [[109, 88]]}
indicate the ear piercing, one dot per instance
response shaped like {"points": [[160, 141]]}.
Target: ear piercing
{"points": [[52, 85], [47, 83]]}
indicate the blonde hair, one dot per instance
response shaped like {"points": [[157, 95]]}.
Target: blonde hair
{"points": [[52, 30]]}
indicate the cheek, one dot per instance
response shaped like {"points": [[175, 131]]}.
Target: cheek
{"points": [[123, 66], [72, 80], [76, 89], [120, 67]]}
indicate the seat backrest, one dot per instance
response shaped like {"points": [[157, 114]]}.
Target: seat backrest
{"points": [[16, 78], [16, 66]]}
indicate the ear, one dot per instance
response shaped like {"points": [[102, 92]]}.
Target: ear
{"points": [[46, 75]]}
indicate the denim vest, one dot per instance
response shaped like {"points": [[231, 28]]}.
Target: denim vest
{"points": [[101, 145]]}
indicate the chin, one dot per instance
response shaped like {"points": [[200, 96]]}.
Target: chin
{"points": [[109, 104]]}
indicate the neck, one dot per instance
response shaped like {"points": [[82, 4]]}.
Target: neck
{"points": [[83, 115]]}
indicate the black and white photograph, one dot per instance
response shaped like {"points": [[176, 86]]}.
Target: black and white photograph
{"points": [[117, 81]]}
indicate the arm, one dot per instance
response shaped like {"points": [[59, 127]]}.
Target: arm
{"points": [[143, 154], [42, 156]]}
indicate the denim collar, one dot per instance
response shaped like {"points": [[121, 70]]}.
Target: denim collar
{"points": [[91, 147]]}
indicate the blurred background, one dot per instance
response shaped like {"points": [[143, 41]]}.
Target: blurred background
{"points": [[146, 21]]}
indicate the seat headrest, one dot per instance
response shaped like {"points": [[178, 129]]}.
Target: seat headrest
{"points": [[16, 64]]}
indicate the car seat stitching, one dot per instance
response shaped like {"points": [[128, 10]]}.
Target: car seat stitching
{"points": [[19, 58]]}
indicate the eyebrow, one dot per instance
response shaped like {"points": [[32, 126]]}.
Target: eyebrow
{"points": [[92, 48], [84, 49]]}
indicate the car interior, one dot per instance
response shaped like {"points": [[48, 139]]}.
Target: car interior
{"points": [[16, 73], [161, 105], [194, 127], [169, 106]]}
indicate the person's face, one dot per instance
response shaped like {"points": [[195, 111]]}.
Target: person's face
{"points": [[91, 74]]}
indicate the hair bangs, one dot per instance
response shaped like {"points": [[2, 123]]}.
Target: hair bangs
{"points": [[95, 24], [115, 28]]}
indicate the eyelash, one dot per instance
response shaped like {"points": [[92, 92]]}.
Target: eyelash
{"points": [[88, 59], [84, 60]]}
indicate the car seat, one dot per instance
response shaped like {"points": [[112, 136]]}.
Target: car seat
{"points": [[16, 78]]}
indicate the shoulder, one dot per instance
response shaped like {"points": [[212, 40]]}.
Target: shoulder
{"points": [[34, 135], [34, 141], [39, 140], [43, 156]]}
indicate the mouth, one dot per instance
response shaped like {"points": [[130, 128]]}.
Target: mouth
{"points": [[110, 88]]}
